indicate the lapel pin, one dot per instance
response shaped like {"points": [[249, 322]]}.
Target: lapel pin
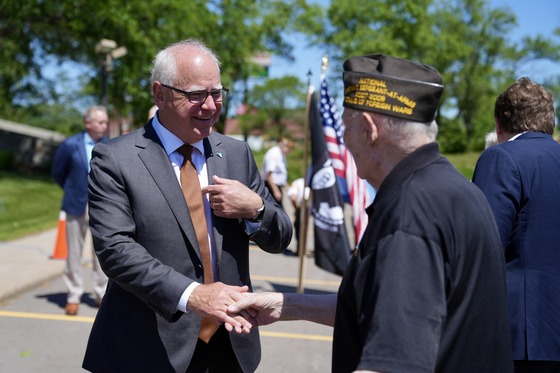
{"points": [[219, 154]]}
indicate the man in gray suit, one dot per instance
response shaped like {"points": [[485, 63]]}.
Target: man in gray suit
{"points": [[144, 236]]}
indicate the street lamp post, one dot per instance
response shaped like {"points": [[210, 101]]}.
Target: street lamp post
{"points": [[108, 48]]}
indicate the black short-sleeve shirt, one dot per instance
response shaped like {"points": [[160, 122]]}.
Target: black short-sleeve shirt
{"points": [[425, 291]]}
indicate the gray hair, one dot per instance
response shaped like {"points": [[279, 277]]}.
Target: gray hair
{"points": [[88, 114], [164, 67], [402, 129]]}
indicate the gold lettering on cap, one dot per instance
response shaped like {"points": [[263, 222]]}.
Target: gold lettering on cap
{"points": [[402, 109], [361, 94], [350, 89], [374, 82], [379, 98], [373, 93], [405, 100], [378, 105]]}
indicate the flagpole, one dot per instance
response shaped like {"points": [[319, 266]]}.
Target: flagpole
{"points": [[304, 211]]}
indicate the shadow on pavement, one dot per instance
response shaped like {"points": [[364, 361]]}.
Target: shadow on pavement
{"points": [[282, 288], [60, 299]]}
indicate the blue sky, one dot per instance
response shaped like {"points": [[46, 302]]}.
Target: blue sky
{"points": [[533, 16]]}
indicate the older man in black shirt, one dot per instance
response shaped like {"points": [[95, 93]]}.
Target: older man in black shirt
{"points": [[425, 290]]}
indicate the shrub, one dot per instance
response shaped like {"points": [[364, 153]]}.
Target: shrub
{"points": [[7, 160], [452, 136]]}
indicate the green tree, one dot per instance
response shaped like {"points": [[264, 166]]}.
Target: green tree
{"points": [[250, 120], [553, 84], [466, 40], [34, 32], [274, 97]]}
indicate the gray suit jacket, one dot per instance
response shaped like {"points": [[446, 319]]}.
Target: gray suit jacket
{"points": [[145, 241]]}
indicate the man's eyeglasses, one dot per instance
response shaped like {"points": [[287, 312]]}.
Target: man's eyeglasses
{"points": [[199, 97]]}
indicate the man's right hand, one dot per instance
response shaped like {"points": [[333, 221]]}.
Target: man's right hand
{"points": [[259, 308], [212, 301]]}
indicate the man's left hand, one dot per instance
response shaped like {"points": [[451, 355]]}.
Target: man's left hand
{"points": [[231, 199]]}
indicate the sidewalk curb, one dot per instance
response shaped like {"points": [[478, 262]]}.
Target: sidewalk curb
{"points": [[25, 263]]}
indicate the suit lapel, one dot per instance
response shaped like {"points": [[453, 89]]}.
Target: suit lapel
{"points": [[157, 163], [214, 166], [81, 148]]}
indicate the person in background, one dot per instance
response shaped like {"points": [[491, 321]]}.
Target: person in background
{"points": [[275, 171], [425, 290], [490, 139], [521, 178], [295, 194], [70, 169], [171, 276]]}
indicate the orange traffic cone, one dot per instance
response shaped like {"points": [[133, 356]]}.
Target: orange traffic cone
{"points": [[61, 247]]}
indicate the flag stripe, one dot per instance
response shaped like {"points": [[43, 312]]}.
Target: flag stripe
{"points": [[332, 247], [352, 188]]}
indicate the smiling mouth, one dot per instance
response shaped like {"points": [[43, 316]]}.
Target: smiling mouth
{"points": [[204, 118]]}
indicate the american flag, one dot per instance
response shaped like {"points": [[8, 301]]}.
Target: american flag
{"points": [[332, 247], [352, 189]]}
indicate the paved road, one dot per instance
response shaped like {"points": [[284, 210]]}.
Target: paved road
{"points": [[37, 336]]}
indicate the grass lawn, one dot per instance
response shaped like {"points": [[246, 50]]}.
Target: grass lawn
{"points": [[30, 204], [464, 162]]}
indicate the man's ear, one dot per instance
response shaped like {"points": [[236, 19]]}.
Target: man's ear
{"points": [[157, 91], [499, 129], [369, 126]]}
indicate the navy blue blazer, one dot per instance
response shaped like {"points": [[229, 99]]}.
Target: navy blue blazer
{"points": [[70, 171], [521, 180]]}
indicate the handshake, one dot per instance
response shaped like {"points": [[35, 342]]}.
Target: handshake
{"points": [[235, 307], [240, 310]]}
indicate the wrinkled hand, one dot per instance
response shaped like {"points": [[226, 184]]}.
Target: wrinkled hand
{"points": [[259, 308], [212, 301], [231, 199]]}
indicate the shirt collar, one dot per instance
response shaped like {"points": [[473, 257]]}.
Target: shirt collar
{"points": [[516, 136], [88, 140], [169, 141], [416, 160]]}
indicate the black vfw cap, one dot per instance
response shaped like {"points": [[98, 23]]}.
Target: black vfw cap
{"points": [[392, 86]]}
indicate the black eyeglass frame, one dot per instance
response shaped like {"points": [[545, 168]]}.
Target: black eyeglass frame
{"points": [[224, 92]]}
